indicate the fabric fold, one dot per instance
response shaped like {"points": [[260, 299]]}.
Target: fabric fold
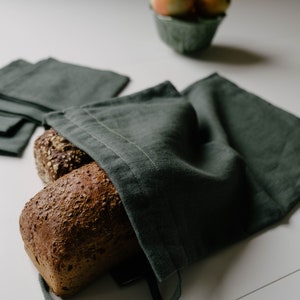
{"points": [[197, 170], [8, 123], [14, 145], [266, 138], [53, 85], [29, 91]]}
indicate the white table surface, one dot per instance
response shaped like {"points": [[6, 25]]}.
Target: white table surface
{"points": [[257, 47]]}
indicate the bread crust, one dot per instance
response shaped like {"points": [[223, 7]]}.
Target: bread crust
{"points": [[76, 228], [55, 156]]}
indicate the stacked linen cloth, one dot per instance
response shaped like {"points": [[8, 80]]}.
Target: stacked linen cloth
{"points": [[28, 91]]}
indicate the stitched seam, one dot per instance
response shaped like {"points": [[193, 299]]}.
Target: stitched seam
{"points": [[96, 138], [140, 149], [121, 136]]}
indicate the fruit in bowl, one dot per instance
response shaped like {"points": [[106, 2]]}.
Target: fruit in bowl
{"points": [[173, 7], [212, 8], [188, 25], [190, 8]]}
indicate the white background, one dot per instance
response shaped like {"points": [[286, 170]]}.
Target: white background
{"points": [[257, 47]]}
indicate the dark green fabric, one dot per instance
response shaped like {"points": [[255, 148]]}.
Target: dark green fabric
{"points": [[8, 74], [196, 171], [28, 91], [266, 138], [30, 112], [8, 123], [12, 71], [53, 85], [14, 145], [15, 131]]}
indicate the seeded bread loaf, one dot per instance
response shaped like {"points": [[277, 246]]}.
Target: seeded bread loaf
{"points": [[76, 228], [55, 156]]}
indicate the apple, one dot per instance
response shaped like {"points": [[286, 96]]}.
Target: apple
{"points": [[173, 7], [212, 8]]}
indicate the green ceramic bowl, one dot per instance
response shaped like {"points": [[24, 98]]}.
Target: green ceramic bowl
{"points": [[186, 36]]}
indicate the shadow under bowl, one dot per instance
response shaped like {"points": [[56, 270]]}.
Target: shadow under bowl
{"points": [[186, 36]]}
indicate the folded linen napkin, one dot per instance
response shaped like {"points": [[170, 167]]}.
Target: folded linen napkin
{"points": [[28, 91], [13, 144], [196, 171], [12, 71], [8, 123], [53, 85], [7, 75], [15, 131]]}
